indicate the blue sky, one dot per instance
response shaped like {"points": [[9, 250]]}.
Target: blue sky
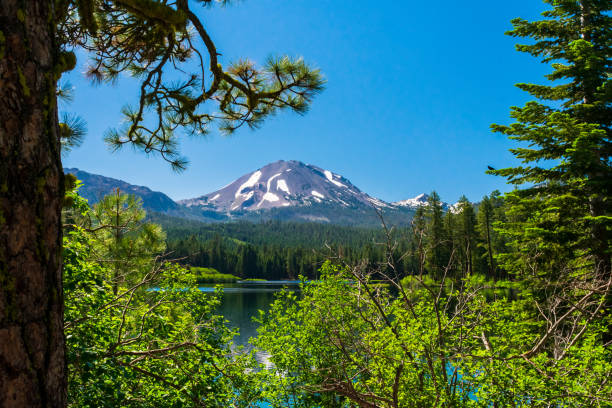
{"points": [[412, 88]]}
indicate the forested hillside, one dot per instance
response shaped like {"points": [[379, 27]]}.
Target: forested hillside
{"points": [[278, 250]]}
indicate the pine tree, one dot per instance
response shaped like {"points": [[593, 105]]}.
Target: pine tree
{"points": [[419, 239], [450, 228], [485, 228], [436, 258], [562, 212], [466, 234], [124, 242], [559, 221]]}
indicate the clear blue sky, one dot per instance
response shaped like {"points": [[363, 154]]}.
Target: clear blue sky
{"points": [[412, 88]]}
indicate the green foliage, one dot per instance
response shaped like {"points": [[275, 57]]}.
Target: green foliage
{"points": [[154, 341], [491, 212], [542, 339], [270, 250], [281, 250], [345, 342], [72, 130], [562, 214], [169, 50], [438, 255], [123, 241], [211, 275]]}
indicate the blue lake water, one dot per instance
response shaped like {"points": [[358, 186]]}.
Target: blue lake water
{"points": [[243, 300]]}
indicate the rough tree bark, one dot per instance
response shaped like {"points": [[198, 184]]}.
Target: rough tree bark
{"points": [[32, 363]]}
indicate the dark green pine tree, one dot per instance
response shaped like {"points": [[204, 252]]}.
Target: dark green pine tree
{"points": [[436, 258], [466, 234], [419, 239], [559, 218], [123, 240], [485, 228], [452, 244], [246, 266]]}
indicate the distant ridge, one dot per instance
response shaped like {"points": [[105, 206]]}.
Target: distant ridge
{"points": [[95, 187], [283, 190]]}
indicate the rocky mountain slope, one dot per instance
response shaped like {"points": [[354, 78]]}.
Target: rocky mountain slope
{"points": [[284, 184], [95, 187], [283, 190]]}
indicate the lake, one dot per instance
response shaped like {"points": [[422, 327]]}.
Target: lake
{"points": [[241, 302]]}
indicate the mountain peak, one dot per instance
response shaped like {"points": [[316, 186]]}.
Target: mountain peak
{"points": [[414, 202], [281, 184]]}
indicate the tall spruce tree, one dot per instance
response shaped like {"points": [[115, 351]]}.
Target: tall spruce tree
{"points": [[562, 212], [485, 228], [559, 221], [437, 258], [147, 39], [466, 234]]}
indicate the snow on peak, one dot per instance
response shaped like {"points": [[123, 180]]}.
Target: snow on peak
{"points": [[377, 203], [456, 208], [317, 194], [414, 202], [286, 183], [268, 196], [249, 183], [330, 176], [282, 185]]}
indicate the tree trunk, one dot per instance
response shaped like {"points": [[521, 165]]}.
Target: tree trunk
{"points": [[32, 348]]}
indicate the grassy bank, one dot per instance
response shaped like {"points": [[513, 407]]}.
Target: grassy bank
{"points": [[211, 275]]}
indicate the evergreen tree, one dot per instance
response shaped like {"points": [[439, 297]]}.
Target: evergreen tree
{"points": [[124, 242], [562, 212], [499, 217], [485, 220], [436, 258], [559, 221], [419, 239], [466, 234], [246, 266]]}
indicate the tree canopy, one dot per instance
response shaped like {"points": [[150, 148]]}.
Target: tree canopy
{"points": [[166, 46]]}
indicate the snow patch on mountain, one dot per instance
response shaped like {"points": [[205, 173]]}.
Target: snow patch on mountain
{"points": [[455, 208], [330, 176], [317, 194], [269, 197], [249, 183], [245, 198], [423, 200], [414, 202], [378, 203], [282, 185]]}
